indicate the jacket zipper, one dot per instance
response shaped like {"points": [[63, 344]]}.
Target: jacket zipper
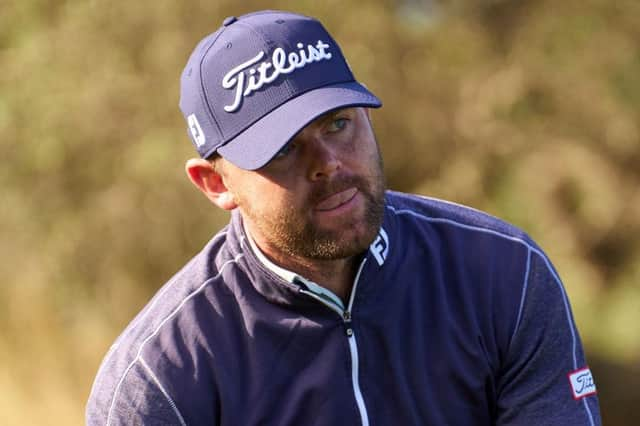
{"points": [[353, 347]]}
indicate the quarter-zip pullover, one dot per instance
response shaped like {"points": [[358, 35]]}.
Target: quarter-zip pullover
{"points": [[454, 318]]}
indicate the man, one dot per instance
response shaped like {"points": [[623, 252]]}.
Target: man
{"points": [[326, 300]]}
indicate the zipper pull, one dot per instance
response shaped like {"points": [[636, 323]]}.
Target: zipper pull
{"points": [[346, 316]]}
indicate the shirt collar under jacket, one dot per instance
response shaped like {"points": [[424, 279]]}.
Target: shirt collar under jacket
{"points": [[288, 275]]}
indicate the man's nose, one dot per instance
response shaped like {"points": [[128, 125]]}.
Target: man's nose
{"points": [[323, 159]]}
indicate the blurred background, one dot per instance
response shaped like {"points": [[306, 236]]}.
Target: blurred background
{"points": [[528, 109]]}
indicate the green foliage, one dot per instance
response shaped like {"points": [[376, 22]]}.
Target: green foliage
{"points": [[529, 109]]}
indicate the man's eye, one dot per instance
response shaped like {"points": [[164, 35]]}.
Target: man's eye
{"points": [[338, 124], [286, 150]]}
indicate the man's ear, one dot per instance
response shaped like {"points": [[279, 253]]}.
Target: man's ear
{"points": [[204, 176]]}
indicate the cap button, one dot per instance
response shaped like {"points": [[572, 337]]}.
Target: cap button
{"points": [[229, 20]]}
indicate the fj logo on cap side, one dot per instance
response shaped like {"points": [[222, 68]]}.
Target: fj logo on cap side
{"points": [[281, 63], [582, 383], [196, 130]]}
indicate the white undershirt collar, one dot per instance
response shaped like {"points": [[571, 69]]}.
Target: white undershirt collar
{"points": [[288, 275]]}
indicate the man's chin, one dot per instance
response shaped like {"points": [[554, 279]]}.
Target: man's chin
{"points": [[342, 244]]}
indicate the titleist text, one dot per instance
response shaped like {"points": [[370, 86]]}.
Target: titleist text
{"points": [[267, 72], [582, 383], [585, 383]]}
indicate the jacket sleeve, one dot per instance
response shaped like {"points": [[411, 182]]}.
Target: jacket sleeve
{"points": [[137, 398], [544, 379]]}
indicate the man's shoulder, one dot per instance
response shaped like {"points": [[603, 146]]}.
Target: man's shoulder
{"points": [[203, 270], [161, 325], [444, 214]]}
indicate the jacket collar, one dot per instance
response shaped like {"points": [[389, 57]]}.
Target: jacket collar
{"points": [[281, 285]]}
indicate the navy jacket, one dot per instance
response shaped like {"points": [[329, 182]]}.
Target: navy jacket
{"points": [[455, 318]]}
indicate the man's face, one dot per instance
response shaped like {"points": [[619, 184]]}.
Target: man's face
{"points": [[322, 196]]}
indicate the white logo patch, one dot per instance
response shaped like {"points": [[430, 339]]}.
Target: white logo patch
{"points": [[281, 62], [380, 247], [196, 130], [582, 383]]}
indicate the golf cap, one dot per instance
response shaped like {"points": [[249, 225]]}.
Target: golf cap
{"points": [[252, 85]]}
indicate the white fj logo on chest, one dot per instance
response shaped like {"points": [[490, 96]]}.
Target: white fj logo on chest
{"points": [[380, 247], [582, 383], [281, 63]]}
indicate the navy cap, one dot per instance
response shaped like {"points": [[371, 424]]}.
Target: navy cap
{"points": [[249, 87]]}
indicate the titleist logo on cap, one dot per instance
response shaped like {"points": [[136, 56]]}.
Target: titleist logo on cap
{"points": [[252, 85], [281, 63]]}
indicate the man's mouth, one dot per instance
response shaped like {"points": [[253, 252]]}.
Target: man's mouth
{"points": [[336, 200]]}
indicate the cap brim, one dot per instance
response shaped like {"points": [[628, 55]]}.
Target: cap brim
{"points": [[258, 144]]}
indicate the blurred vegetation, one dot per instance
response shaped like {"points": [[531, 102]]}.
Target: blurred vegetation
{"points": [[528, 109]]}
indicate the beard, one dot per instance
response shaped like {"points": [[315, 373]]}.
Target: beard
{"points": [[293, 232]]}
